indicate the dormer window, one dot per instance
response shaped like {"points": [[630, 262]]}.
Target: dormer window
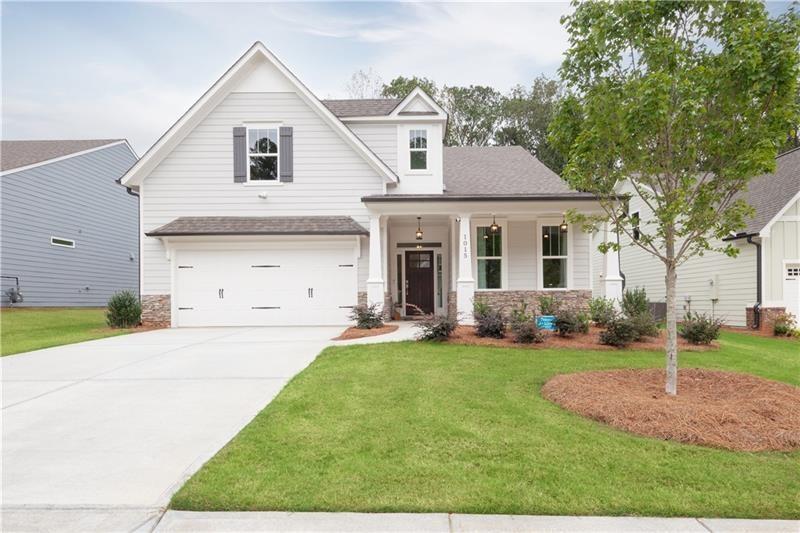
{"points": [[418, 149], [262, 153]]}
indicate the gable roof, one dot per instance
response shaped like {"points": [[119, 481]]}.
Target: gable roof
{"points": [[214, 95], [367, 107], [771, 194], [18, 154]]}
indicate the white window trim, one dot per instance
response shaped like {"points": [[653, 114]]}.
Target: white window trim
{"points": [[425, 170], [541, 257], [263, 125], [52, 238], [485, 223]]}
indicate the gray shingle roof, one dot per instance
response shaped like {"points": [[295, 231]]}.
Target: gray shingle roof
{"points": [[369, 107], [259, 226], [15, 154], [769, 193]]}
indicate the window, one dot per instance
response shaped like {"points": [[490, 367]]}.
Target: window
{"points": [[58, 241], [439, 287], [554, 257], [635, 226], [418, 147], [262, 153], [399, 287], [490, 258]]}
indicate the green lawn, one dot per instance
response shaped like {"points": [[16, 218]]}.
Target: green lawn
{"points": [[410, 427], [23, 330]]}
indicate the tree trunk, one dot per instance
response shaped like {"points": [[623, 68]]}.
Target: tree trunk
{"points": [[672, 331]]}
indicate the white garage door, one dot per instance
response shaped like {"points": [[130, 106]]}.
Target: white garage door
{"points": [[311, 286]]}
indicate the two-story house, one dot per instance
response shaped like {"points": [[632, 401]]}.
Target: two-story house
{"points": [[263, 205]]}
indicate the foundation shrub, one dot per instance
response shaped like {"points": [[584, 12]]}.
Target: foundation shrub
{"points": [[367, 316], [699, 329]]}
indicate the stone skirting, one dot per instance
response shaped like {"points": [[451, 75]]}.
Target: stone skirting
{"points": [[452, 305], [387, 302], [156, 310], [576, 300], [768, 315]]}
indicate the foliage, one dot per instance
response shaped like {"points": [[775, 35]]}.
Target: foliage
{"points": [[489, 322], [475, 112], [526, 113], [364, 85], [548, 305], [124, 310], [602, 310], [700, 329], [569, 322], [634, 302], [523, 326], [683, 101], [435, 327], [400, 87], [785, 325], [645, 325], [367, 316], [620, 332]]}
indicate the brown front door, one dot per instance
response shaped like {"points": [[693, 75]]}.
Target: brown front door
{"points": [[419, 282]]}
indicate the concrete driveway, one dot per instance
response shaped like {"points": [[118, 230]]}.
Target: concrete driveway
{"points": [[117, 425]]}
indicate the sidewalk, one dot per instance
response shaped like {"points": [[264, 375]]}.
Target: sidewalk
{"points": [[185, 521]]}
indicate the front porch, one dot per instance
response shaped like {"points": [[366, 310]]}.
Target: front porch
{"points": [[439, 257]]}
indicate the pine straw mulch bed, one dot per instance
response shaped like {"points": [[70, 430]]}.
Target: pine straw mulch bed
{"points": [[356, 333], [587, 341], [719, 409]]}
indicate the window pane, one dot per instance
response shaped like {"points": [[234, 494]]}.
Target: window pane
{"points": [[554, 241], [263, 168], [263, 141], [554, 273], [490, 244], [439, 275], [419, 160], [489, 276], [418, 139], [399, 278]]}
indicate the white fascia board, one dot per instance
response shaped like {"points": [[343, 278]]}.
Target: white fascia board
{"points": [[766, 229], [68, 156], [216, 92], [519, 208], [390, 119]]}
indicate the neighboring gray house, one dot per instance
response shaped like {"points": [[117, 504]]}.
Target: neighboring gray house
{"points": [[68, 230]]}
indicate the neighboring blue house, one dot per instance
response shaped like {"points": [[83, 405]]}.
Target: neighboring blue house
{"points": [[69, 232]]}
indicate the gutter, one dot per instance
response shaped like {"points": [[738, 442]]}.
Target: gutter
{"points": [[476, 198], [757, 306]]}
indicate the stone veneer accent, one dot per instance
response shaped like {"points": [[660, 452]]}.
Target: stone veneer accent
{"points": [[452, 308], [576, 300], [768, 315], [156, 310], [387, 302]]}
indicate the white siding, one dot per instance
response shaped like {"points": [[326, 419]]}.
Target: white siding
{"points": [[196, 178], [381, 139], [522, 255], [597, 264], [580, 257], [782, 244]]}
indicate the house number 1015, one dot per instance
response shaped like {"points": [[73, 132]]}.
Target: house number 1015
{"points": [[465, 246]]}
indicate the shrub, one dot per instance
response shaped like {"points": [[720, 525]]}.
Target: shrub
{"points": [[699, 329], [634, 302], [548, 305], [489, 322], [367, 316], [644, 325], [435, 328], [785, 325], [570, 322], [602, 310], [619, 332], [523, 326], [124, 310]]}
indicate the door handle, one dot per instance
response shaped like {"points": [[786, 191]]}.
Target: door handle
{"points": [[310, 292], [222, 293]]}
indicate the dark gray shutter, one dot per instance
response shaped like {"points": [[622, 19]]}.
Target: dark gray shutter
{"points": [[239, 154], [287, 154]]}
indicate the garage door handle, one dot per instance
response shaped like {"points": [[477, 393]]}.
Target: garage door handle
{"points": [[310, 292], [222, 293]]}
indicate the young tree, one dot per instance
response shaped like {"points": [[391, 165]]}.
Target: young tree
{"points": [[686, 101], [400, 86], [364, 85], [474, 113], [526, 113]]}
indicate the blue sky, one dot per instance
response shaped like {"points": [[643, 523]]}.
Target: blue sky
{"points": [[97, 70]]}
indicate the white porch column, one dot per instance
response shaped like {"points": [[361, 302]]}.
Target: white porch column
{"points": [[375, 278], [465, 283], [612, 280]]}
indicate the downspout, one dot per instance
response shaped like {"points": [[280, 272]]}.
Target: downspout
{"points": [[757, 306], [619, 263]]}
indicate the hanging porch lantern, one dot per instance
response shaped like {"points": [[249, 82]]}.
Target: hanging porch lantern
{"points": [[419, 229]]}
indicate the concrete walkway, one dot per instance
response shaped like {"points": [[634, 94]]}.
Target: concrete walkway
{"points": [[181, 521], [97, 436]]}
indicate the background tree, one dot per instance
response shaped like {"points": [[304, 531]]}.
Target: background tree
{"points": [[364, 85], [475, 112], [685, 100], [526, 114], [400, 86]]}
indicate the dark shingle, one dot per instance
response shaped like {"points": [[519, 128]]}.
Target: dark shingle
{"points": [[259, 226], [16, 154], [769, 193], [369, 107]]}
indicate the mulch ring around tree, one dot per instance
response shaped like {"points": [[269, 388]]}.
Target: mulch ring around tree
{"points": [[713, 408], [356, 333], [587, 341]]}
